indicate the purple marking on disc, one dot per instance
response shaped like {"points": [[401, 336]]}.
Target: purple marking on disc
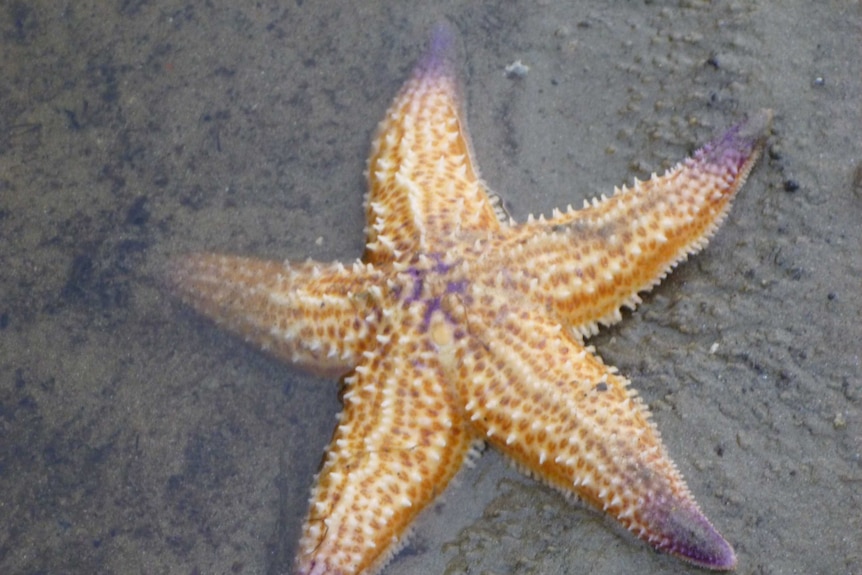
{"points": [[456, 287], [441, 268], [418, 284], [431, 306]]}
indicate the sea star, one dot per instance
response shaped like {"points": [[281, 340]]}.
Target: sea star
{"points": [[459, 326]]}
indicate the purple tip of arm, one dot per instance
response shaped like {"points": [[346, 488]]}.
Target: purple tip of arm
{"points": [[692, 537], [740, 146], [439, 54]]}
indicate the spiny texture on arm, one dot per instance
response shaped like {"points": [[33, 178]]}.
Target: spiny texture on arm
{"points": [[316, 316], [592, 261], [423, 184], [563, 416], [400, 440]]}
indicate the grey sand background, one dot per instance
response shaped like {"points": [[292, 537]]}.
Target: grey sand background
{"points": [[137, 438]]}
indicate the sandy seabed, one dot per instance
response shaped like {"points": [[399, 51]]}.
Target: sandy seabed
{"points": [[137, 438]]}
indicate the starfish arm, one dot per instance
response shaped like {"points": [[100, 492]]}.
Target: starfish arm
{"points": [[551, 405], [592, 261], [423, 184], [399, 441], [316, 316]]}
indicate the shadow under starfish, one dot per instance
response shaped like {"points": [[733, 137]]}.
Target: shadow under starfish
{"points": [[460, 326]]}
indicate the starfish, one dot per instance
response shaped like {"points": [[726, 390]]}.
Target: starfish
{"points": [[459, 326]]}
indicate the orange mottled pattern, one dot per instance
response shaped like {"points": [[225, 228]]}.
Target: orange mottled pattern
{"points": [[459, 326], [422, 145]]}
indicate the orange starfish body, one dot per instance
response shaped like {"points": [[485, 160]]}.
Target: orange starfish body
{"points": [[460, 326]]}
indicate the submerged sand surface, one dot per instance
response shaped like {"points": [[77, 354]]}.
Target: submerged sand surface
{"points": [[137, 438]]}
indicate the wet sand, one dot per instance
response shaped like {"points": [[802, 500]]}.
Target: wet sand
{"points": [[137, 438]]}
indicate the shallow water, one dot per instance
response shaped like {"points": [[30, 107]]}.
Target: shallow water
{"points": [[137, 438]]}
